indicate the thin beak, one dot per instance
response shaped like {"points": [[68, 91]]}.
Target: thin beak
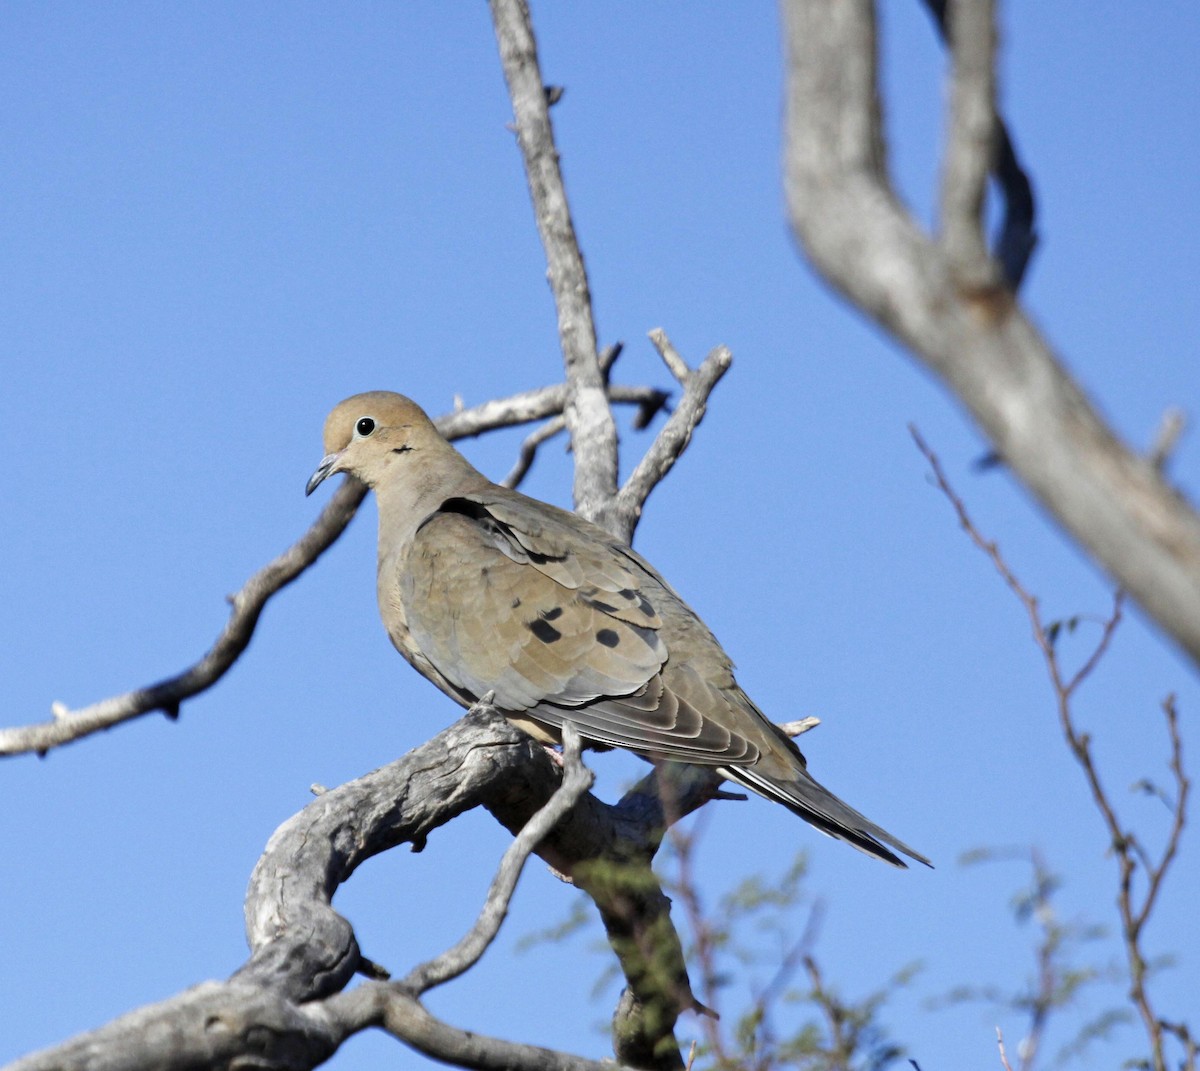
{"points": [[325, 468]]}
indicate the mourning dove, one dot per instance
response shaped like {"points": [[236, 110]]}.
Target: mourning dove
{"points": [[484, 590]]}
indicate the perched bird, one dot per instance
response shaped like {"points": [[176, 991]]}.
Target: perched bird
{"points": [[483, 589]]}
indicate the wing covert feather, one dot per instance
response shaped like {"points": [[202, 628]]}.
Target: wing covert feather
{"points": [[488, 622], [507, 598]]}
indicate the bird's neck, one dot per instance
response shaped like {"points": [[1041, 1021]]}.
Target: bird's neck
{"points": [[415, 487]]}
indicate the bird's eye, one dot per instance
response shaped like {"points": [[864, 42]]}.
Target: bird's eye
{"points": [[365, 426]]}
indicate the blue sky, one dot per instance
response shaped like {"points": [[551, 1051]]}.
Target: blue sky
{"points": [[220, 219]]}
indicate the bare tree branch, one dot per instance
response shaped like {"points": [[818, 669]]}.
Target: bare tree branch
{"points": [[1016, 238], [587, 413], [404, 1017], [672, 440], [456, 961], [1111, 501], [167, 695], [971, 141], [533, 442], [1134, 909], [304, 953], [593, 432]]}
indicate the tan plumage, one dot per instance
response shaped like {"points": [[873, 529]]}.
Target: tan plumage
{"points": [[483, 589]]}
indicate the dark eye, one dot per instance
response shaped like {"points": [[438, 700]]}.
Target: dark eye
{"points": [[365, 426]]}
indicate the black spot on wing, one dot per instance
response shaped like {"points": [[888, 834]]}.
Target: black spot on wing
{"points": [[608, 637], [543, 630], [647, 635], [642, 601], [551, 615]]}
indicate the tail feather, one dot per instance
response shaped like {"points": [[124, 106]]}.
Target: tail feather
{"points": [[821, 808]]}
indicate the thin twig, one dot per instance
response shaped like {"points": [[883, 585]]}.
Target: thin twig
{"points": [[674, 436], [686, 890], [529, 448], [167, 695], [1003, 1055], [828, 1003], [1127, 849], [452, 963], [773, 992], [530, 406]]}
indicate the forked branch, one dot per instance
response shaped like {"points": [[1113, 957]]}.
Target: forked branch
{"points": [[970, 332], [287, 1006]]}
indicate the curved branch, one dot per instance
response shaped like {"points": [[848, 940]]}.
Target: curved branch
{"points": [[1125, 844], [529, 448], [285, 1007], [168, 695], [452, 963], [977, 340], [404, 1017]]}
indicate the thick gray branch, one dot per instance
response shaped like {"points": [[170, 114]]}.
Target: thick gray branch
{"points": [[211, 1025], [977, 341], [286, 1007], [970, 141], [1017, 237]]}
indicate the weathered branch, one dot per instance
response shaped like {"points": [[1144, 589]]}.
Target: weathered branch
{"points": [[971, 140], [593, 431], [1016, 238], [1111, 501], [304, 953], [675, 435], [167, 695], [456, 961]]}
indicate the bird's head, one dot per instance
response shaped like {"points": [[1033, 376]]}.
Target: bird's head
{"points": [[368, 433]]}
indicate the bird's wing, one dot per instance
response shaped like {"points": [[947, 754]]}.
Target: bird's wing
{"points": [[558, 620]]}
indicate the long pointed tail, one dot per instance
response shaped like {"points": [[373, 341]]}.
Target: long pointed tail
{"points": [[821, 808]]}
